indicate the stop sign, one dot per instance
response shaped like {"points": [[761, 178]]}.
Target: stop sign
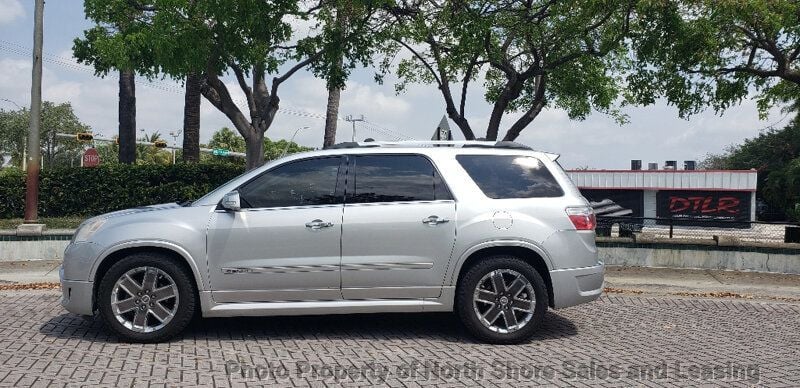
{"points": [[91, 158]]}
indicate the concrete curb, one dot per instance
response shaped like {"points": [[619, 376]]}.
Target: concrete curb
{"points": [[46, 232]]}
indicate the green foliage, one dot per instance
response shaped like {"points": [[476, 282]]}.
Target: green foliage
{"points": [[535, 54], [92, 191], [276, 149], [12, 192], [120, 39], [229, 140], [776, 155], [252, 40], [713, 53], [56, 118]]}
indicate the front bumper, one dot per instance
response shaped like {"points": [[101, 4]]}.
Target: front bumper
{"points": [[76, 296], [574, 286]]}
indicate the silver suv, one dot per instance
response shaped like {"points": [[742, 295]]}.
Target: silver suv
{"points": [[493, 231]]}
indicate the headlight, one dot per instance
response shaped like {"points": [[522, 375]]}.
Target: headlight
{"points": [[87, 229]]}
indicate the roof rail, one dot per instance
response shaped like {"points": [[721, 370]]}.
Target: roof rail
{"points": [[351, 144], [440, 143], [433, 143]]}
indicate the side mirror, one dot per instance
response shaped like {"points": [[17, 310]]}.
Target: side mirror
{"points": [[231, 201]]}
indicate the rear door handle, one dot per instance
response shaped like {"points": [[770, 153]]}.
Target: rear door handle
{"points": [[434, 220], [318, 224]]}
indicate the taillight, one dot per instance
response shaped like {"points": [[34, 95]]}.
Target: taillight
{"points": [[582, 217]]}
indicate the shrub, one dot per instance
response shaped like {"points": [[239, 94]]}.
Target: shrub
{"points": [[91, 191]]}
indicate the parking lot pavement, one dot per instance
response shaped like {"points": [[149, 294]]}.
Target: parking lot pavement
{"points": [[619, 340]]}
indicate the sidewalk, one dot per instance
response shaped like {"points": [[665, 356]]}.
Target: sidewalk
{"points": [[702, 282], [25, 272], [630, 280]]}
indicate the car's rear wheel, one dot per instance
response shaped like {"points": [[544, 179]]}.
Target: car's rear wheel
{"points": [[146, 297], [502, 300]]}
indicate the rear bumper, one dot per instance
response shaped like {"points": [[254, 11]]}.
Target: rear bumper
{"points": [[76, 296], [574, 286]]}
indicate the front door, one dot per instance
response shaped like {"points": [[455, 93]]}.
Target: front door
{"points": [[398, 230], [284, 245]]}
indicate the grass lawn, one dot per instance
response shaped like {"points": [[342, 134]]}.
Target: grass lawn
{"points": [[52, 223]]}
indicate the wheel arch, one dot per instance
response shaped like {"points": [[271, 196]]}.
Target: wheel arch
{"points": [[112, 255], [531, 254]]}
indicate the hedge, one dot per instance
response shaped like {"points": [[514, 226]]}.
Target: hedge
{"points": [[91, 191]]}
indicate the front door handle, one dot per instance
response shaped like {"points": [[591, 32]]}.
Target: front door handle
{"points": [[318, 224], [434, 220]]}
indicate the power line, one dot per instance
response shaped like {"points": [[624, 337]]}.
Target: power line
{"points": [[70, 63], [387, 130]]}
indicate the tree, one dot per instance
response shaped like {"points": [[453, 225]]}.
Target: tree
{"points": [[191, 119], [227, 139], [331, 115], [127, 116], [56, 118], [276, 149], [335, 83], [533, 54], [118, 42], [252, 40], [775, 153], [701, 53]]}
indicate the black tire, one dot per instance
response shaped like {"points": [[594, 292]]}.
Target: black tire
{"points": [[469, 282], [186, 297]]}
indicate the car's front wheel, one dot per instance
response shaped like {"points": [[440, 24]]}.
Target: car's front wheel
{"points": [[146, 297], [502, 300]]}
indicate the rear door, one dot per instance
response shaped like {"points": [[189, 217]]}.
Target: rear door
{"points": [[398, 228]]}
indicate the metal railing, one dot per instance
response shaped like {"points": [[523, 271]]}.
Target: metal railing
{"points": [[680, 228]]}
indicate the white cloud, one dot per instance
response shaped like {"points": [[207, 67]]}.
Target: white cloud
{"points": [[11, 11]]}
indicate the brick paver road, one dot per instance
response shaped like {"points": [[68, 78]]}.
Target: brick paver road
{"points": [[616, 341]]}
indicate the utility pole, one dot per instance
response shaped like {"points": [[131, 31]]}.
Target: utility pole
{"points": [[353, 120], [34, 150], [175, 135]]}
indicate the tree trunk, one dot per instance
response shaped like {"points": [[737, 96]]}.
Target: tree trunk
{"points": [[191, 120], [537, 105], [255, 150], [331, 116], [127, 117], [511, 92]]}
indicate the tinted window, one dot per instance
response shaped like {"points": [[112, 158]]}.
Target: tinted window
{"points": [[502, 176], [302, 183], [392, 178]]}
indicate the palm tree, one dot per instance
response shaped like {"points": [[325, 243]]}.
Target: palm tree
{"points": [[127, 117], [191, 119], [331, 115]]}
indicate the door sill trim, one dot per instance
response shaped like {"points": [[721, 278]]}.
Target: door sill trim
{"points": [[323, 307]]}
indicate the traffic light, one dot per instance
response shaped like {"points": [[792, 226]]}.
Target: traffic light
{"points": [[160, 144], [84, 136]]}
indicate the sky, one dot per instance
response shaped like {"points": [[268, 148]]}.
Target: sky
{"points": [[653, 134]]}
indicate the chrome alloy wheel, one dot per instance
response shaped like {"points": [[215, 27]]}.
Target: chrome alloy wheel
{"points": [[144, 299], [504, 301]]}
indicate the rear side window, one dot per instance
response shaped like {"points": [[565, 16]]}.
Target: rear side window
{"points": [[396, 178], [509, 176]]}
